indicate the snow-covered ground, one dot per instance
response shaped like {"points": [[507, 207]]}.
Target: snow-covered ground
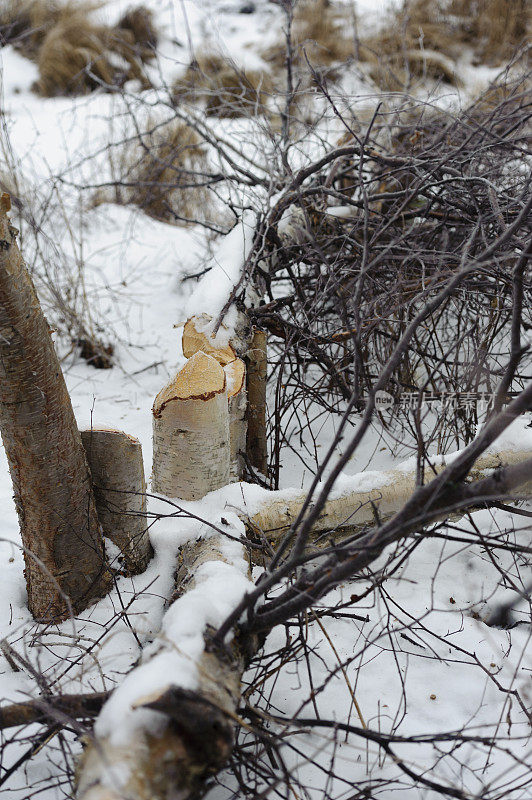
{"points": [[423, 662]]}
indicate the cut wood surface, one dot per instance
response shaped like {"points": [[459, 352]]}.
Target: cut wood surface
{"points": [[194, 340], [49, 470], [177, 736], [117, 469], [235, 373], [379, 496], [191, 444]]}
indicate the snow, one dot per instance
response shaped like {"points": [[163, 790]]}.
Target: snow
{"points": [[133, 270], [172, 658], [211, 294]]}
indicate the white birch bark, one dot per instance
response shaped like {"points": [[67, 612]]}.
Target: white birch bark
{"points": [[354, 508], [191, 431], [194, 728], [117, 469]]}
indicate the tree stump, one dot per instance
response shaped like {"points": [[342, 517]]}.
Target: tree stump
{"points": [[191, 447], [235, 373], [257, 368], [117, 469]]}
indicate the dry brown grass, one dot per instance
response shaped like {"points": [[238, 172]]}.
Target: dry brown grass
{"points": [[422, 38], [25, 23], [162, 174], [74, 57], [495, 28], [318, 33], [415, 42], [75, 54], [226, 90]]}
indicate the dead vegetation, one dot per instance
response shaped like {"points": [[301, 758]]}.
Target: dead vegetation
{"points": [[226, 90], [423, 38], [25, 23], [318, 34], [494, 28], [74, 53], [164, 173]]}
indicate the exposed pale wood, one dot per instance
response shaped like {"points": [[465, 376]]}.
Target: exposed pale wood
{"points": [[51, 480], [355, 509], [235, 373], [257, 367], [195, 340], [198, 733], [117, 469], [200, 379], [191, 449]]}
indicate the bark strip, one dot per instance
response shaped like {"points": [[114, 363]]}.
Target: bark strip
{"points": [[235, 373], [51, 479], [117, 469]]}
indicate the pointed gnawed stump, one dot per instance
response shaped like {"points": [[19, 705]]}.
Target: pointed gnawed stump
{"points": [[191, 448], [195, 340]]}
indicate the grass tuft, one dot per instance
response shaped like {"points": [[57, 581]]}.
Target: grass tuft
{"points": [[422, 38], [163, 174], [226, 90], [318, 33], [75, 54]]}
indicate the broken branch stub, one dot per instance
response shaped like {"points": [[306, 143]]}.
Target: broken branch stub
{"points": [[63, 547], [117, 469], [235, 373], [191, 448], [257, 368]]}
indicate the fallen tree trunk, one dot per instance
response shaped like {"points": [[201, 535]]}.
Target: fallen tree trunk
{"points": [[63, 550], [117, 470], [352, 508], [165, 743]]}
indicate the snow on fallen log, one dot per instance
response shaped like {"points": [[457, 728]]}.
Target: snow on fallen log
{"points": [[117, 470], [356, 500], [168, 726], [191, 450]]}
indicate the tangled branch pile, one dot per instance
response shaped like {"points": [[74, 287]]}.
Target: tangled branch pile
{"points": [[367, 235]]}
